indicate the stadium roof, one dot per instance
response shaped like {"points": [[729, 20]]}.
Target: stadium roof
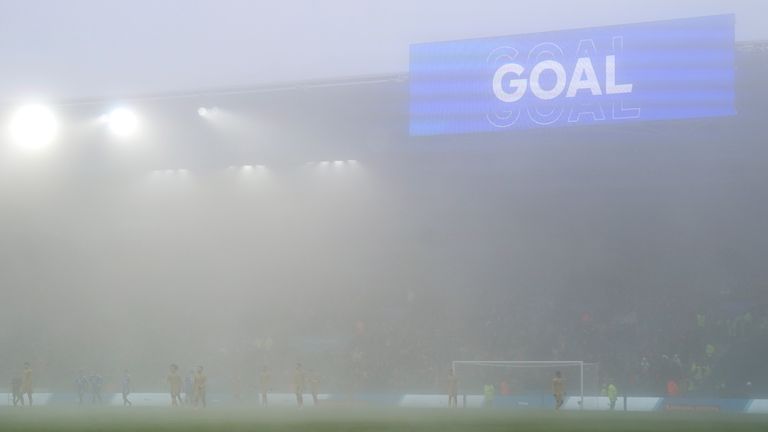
{"points": [[92, 49]]}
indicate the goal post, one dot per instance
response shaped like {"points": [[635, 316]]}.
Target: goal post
{"points": [[525, 378]]}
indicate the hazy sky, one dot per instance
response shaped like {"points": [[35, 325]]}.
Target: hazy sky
{"points": [[74, 49]]}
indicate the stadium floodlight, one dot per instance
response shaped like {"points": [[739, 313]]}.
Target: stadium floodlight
{"points": [[122, 122], [249, 169], [338, 163], [34, 127], [206, 112]]}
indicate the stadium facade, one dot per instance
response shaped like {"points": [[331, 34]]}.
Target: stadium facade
{"points": [[602, 243]]}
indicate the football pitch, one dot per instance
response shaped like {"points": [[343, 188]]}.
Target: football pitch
{"points": [[348, 420]]}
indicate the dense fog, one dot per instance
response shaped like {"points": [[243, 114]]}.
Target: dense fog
{"points": [[121, 254], [301, 223]]}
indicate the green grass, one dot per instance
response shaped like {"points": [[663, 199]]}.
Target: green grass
{"points": [[347, 420]]}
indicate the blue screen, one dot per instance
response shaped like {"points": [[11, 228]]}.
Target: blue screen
{"points": [[639, 72]]}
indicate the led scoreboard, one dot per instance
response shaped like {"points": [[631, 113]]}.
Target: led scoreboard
{"points": [[638, 72]]}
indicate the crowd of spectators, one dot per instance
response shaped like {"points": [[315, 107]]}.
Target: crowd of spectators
{"points": [[714, 346]]}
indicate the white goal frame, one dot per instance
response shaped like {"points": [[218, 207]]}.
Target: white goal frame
{"points": [[529, 363]]}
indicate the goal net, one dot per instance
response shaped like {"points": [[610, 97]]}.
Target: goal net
{"points": [[527, 383]]}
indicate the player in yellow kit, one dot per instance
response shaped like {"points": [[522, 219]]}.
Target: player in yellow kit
{"points": [[26, 383], [558, 389], [314, 386], [200, 382], [298, 384], [174, 381]]}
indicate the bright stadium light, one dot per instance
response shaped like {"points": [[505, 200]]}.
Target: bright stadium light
{"points": [[338, 163], [34, 127], [253, 168], [122, 122], [206, 112]]}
